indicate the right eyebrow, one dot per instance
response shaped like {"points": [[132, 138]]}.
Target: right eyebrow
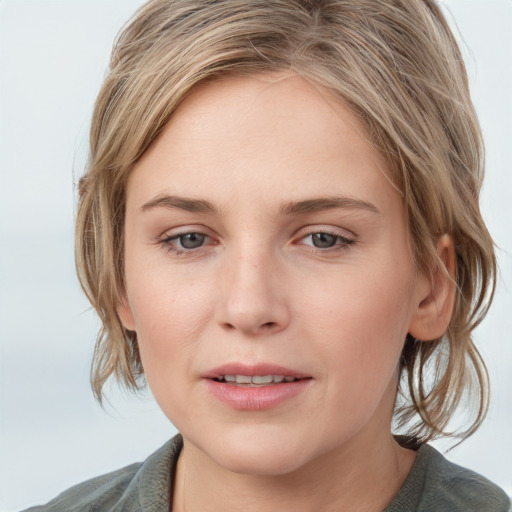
{"points": [[326, 203], [181, 203]]}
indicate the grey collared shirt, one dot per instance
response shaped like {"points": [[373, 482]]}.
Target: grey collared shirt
{"points": [[433, 485]]}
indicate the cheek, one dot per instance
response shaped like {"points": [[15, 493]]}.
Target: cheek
{"points": [[170, 314], [359, 321], [170, 321]]}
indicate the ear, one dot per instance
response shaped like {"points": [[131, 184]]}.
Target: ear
{"points": [[435, 295], [124, 313]]}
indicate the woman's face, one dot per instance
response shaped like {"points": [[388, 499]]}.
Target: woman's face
{"points": [[268, 275]]}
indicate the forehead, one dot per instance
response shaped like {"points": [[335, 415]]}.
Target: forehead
{"points": [[278, 134], [262, 109]]}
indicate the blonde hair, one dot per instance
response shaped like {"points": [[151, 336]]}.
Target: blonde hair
{"points": [[396, 64]]}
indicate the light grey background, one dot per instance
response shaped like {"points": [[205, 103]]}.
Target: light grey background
{"points": [[53, 54]]}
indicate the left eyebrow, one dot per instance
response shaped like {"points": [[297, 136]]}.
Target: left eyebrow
{"points": [[181, 203], [326, 203]]}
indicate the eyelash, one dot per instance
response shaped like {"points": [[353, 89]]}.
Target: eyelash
{"points": [[342, 242], [167, 242]]}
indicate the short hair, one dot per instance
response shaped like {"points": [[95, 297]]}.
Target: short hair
{"points": [[397, 66]]}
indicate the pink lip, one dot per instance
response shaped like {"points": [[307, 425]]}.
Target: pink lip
{"points": [[255, 398], [253, 369]]}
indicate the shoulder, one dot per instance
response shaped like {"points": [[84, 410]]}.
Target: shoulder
{"points": [[141, 486], [87, 495], [462, 489], [437, 484]]}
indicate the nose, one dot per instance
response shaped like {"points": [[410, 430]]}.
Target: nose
{"points": [[252, 297]]}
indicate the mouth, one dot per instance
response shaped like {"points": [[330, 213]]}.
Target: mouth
{"points": [[256, 387], [255, 381]]}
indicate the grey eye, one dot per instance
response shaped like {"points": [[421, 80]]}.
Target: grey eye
{"points": [[192, 240], [324, 240]]}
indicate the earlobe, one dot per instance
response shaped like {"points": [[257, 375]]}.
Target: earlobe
{"points": [[436, 295], [124, 313]]}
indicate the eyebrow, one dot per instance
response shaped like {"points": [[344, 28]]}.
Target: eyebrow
{"points": [[326, 203], [181, 203], [291, 208]]}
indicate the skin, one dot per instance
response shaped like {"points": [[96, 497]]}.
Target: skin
{"points": [[257, 289]]}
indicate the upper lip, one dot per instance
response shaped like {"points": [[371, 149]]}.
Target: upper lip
{"points": [[252, 370]]}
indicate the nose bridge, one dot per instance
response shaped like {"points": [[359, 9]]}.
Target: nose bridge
{"points": [[252, 300]]}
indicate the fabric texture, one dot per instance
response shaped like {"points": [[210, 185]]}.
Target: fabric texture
{"points": [[434, 485]]}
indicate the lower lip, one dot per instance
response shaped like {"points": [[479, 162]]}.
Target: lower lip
{"points": [[256, 398]]}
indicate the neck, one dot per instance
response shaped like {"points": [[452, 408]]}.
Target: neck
{"points": [[363, 476]]}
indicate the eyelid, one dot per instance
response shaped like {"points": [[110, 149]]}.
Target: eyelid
{"points": [[186, 229], [331, 230], [168, 239]]}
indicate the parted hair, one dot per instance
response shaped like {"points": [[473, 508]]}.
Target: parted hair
{"points": [[397, 66]]}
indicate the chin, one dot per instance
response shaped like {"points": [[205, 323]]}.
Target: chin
{"points": [[260, 463], [261, 454]]}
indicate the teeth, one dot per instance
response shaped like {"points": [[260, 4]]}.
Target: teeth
{"points": [[256, 380], [267, 379]]}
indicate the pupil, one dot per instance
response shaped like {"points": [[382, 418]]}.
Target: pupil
{"points": [[324, 240], [191, 240]]}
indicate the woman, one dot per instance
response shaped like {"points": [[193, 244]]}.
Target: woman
{"points": [[279, 229]]}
